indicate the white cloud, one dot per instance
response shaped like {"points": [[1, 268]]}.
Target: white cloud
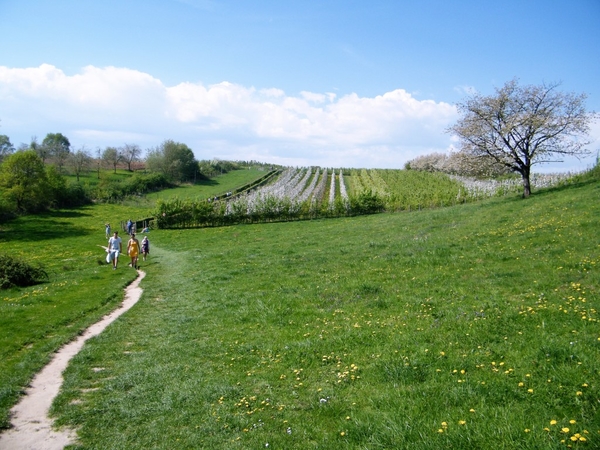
{"points": [[111, 106]]}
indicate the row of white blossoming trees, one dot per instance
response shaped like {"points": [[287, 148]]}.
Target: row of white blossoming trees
{"points": [[314, 192]]}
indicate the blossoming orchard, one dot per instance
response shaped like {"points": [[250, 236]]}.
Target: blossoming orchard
{"points": [[314, 192]]}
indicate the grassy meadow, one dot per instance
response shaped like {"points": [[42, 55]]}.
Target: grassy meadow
{"points": [[473, 326], [36, 321], [212, 187]]}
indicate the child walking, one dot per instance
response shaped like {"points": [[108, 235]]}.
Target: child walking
{"points": [[145, 247]]}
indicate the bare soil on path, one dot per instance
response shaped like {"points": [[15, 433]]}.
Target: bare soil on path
{"points": [[31, 426]]}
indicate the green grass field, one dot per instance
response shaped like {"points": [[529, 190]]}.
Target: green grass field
{"points": [[93, 178], [473, 326], [210, 188], [200, 190]]}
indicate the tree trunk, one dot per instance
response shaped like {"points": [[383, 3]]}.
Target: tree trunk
{"points": [[526, 183]]}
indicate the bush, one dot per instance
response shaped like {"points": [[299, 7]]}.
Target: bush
{"points": [[75, 195], [15, 272], [141, 184], [138, 184], [367, 202], [7, 210]]}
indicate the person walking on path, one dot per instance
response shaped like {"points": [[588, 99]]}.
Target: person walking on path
{"points": [[145, 247], [115, 247], [133, 250], [107, 225], [129, 226]]}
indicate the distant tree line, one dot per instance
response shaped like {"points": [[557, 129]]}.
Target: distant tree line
{"points": [[38, 176]]}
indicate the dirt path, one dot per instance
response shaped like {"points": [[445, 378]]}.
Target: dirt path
{"points": [[32, 428]]}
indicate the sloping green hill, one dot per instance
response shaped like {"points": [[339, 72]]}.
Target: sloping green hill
{"points": [[473, 326]]}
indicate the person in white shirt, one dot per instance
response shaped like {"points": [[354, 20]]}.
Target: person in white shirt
{"points": [[115, 247]]}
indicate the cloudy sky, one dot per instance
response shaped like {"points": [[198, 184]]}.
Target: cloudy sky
{"points": [[334, 83]]}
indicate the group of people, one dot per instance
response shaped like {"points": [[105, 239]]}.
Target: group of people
{"points": [[134, 248]]}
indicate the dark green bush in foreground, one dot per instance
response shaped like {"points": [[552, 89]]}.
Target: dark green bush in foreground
{"points": [[15, 272]]}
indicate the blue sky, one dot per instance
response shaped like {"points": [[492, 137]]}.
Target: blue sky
{"points": [[332, 83]]}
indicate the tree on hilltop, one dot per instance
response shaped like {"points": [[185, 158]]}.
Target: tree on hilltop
{"points": [[57, 146], [174, 160], [80, 161], [41, 150], [521, 126], [112, 156], [130, 153]]}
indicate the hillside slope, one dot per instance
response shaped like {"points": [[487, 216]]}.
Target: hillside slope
{"points": [[470, 326]]}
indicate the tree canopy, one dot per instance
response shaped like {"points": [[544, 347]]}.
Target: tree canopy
{"points": [[24, 180], [58, 147], [80, 161], [174, 160], [6, 147], [521, 126], [112, 156], [130, 153]]}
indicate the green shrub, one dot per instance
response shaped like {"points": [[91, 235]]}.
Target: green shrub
{"points": [[7, 210], [141, 184], [138, 184], [367, 202], [15, 272], [75, 195]]}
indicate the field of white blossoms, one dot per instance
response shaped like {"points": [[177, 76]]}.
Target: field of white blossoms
{"points": [[314, 192]]}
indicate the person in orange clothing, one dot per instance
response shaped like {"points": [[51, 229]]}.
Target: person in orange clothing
{"points": [[133, 250]]}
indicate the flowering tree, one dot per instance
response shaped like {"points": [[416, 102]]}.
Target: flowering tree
{"points": [[521, 126]]}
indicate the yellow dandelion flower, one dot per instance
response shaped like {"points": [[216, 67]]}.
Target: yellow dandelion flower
{"points": [[462, 422], [527, 430], [578, 393], [564, 430], [472, 410], [572, 421], [521, 384], [440, 430], [530, 391], [343, 433], [553, 422]]}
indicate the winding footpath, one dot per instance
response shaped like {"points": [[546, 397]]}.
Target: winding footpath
{"points": [[32, 428]]}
